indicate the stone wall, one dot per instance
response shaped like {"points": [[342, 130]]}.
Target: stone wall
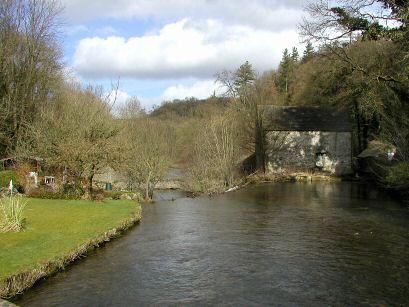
{"points": [[308, 150]]}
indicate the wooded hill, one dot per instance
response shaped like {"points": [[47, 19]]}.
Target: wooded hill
{"points": [[355, 60]]}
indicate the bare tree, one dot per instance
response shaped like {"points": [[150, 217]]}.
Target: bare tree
{"points": [[131, 109], [246, 92], [147, 147], [347, 20], [216, 153], [30, 64], [77, 132]]}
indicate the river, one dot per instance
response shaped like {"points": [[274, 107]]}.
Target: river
{"points": [[282, 244]]}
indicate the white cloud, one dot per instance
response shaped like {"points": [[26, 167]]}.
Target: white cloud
{"points": [[268, 14], [118, 97], [199, 89], [182, 49], [150, 103], [195, 39]]}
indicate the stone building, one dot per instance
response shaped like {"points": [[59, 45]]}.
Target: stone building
{"points": [[292, 139]]}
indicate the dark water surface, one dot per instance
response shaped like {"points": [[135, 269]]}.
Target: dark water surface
{"points": [[289, 244]]}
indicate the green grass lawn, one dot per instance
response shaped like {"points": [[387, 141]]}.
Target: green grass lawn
{"points": [[56, 227]]}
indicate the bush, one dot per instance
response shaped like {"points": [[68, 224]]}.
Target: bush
{"points": [[72, 191], [11, 214], [398, 175], [6, 176], [67, 191], [116, 195], [44, 193], [99, 197], [113, 194]]}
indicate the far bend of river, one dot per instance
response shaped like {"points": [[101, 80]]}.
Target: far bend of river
{"points": [[283, 244]]}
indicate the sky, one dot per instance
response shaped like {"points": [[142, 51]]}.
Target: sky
{"points": [[166, 49]]}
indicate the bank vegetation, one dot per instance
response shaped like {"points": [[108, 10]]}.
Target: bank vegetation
{"points": [[352, 61]]}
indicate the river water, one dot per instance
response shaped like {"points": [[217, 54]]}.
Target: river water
{"points": [[283, 244]]}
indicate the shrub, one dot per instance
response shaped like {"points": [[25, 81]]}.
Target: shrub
{"points": [[398, 175], [11, 214], [6, 176], [133, 195], [25, 183], [67, 191], [72, 191], [99, 197], [44, 193], [113, 194]]}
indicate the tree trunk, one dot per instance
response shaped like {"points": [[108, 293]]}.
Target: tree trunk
{"points": [[260, 152], [148, 193], [90, 181], [89, 187]]}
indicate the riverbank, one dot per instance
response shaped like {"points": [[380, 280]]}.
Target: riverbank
{"points": [[56, 233], [259, 177], [193, 189]]}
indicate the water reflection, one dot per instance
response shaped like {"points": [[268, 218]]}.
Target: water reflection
{"points": [[274, 244]]}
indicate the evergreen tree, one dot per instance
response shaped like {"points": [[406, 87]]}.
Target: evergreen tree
{"points": [[308, 52], [236, 81], [284, 71], [294, 56], [244, 75]]}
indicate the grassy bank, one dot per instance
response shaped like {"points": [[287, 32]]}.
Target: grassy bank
{"points": [[56, 233]]}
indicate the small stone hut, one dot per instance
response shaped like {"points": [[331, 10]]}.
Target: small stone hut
{"points": [[292, 139]]}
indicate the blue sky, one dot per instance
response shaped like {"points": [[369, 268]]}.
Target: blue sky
{"points": [[161, 50]]}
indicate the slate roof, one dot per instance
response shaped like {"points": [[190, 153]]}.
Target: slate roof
{"points": [[278, 118]]}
